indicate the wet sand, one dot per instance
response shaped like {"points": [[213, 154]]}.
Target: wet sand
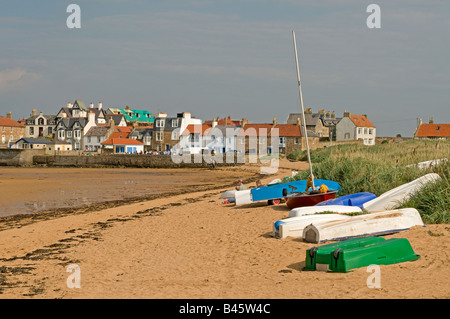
{"points": [[189, 246], [31, 190]]}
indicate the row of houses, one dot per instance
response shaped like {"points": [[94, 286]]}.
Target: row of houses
{"points": [[93, 128]]}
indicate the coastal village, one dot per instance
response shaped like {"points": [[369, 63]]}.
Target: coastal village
{"points": [[97, 129]]}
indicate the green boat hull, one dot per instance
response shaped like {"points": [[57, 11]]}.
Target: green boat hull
{"points": [[359, 252]]}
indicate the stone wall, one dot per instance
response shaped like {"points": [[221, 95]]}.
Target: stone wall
{"points": [[18, 157], [125, 160]]}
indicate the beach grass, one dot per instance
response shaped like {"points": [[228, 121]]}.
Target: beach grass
{"points": [[379, 168]]}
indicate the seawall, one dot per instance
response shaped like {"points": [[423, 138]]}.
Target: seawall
{"points": [[125, 160]]}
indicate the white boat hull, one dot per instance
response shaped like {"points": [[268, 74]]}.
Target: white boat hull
{"points": [[243, 197], [362, 225], [293, 226], [393, 198], [309, 210]]}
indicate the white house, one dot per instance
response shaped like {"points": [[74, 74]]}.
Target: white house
{"points": [[40, 125], [73, 129], [355, 127]]}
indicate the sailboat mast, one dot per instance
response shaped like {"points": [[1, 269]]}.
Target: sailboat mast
{"points": [[302, 108]]}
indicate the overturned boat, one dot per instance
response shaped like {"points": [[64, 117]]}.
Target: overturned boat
{"points": [[276, 191], [294, 226], [357, 199], [393, 198], [371, 224], [356, 253], [332, 209]]}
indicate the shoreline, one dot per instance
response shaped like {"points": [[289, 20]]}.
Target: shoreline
{"points": [[186, 246], [87, 208]]}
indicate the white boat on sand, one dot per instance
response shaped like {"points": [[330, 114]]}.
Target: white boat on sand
{"points": [[393, 198], [335, 209], [293, 226], [371, 224]]}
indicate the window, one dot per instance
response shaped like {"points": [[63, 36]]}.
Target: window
{"points": [[41, 121], [89, 139], [159, 136], [174, 135], [346, 136], [371, 131], [50, 131], [69, 134], [160, 123], [365, 130], [61, 134], [296, 140], [359, 130], [77, 133], [174, 123], [31, 130], [282, 141], [147, 140]]}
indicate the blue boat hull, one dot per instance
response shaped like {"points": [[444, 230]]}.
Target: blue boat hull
{"points": [[276, 191], [357, 199]]}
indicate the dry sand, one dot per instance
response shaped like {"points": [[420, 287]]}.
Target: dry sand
{"points": [[189, 246]]}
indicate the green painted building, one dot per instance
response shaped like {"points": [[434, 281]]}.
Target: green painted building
{"points": [[131, 116]]}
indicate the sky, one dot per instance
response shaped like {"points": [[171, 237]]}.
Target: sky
{"points": [[230, 58]]}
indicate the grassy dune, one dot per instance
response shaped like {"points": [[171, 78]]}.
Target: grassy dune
{"points": [[379, 168]]}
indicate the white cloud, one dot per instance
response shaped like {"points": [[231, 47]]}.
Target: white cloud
{"points": [[16, 79]]}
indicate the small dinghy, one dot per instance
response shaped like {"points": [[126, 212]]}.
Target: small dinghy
{"points": [[228, 194], [334, 209], [393, 198], [276, 191], [354, 253], [357, 199], [293, 226], [372, 224]]}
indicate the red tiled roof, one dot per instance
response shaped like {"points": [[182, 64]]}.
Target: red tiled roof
{"points": [[289, 130], [361, 121], [124, 129], [6, 121], [121, 141], [255, 130], [119, 135], [224, 121], [433, 130], [266, 129], [196, 128]]}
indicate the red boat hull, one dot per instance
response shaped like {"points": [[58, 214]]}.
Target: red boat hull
{"points": [[308, 199]]}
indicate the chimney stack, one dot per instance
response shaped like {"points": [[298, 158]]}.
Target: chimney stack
{"points": [[9, 115], [91, 105], [91, 116], [100, 105], [243, 122], [298, 121], [346, 114], [69, 105], [431, 121], [274, 121], [34, 112], [333, 115]]}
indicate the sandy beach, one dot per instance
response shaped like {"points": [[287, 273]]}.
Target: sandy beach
{"points": [[187, 245]]}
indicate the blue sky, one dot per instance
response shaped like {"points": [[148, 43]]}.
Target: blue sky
{"points": [[230, 58]]}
